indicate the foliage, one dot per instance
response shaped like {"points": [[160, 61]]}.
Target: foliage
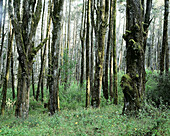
{"points": [[74, 119], [105, 121], [157, 88]]}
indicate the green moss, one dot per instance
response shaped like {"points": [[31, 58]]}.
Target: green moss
{"points": [[125, 82], [132, 40], [137, 26], [127, 31]]}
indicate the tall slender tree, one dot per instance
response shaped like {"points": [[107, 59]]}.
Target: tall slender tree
{"points": [[2, 32], [114, 54], [82, 38], [6, 79], [165, 39], [87, 55], [54, 81], [1, 13], [103, 11]]}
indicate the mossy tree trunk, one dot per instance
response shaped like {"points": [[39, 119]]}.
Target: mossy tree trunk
{"points": [[103, 19], [133, 82], [165, 38], [6, 79], [24, 25], [54, 82], [115, 92]]}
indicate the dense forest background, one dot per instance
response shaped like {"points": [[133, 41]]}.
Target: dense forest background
{"points": [[88, 67]]}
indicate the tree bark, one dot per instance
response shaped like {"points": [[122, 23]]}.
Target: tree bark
{"points": [[43, 59], [133, 82], [55, 71], [87, 56], [1, 13], [104, 9], [25, 34], [165, 38], [3, 29], [40, 79], [5, 85], [12, 75], [82, 38], [114, 55]]}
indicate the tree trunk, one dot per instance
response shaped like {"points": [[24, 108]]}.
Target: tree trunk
{"points": [[165, 38], [5, 85], [104, 9], [33, 85], [43, 56], [54, 82], [40, 79], [1, 13], [25, 35], [147, 21], [133, 82], [82, 38], [114, 55], [12, 75], [67, 50], [87, 56], [3, 29]]}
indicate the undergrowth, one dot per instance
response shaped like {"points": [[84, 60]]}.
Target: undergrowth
{"points": [[75, 120]]}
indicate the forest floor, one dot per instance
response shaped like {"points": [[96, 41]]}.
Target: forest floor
{"points": [[106, 121], [75, 120]]}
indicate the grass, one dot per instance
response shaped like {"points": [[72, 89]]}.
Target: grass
{"points": [[75, 120], [105, 121]]}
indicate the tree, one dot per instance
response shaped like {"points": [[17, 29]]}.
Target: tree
{"points": [[55, 71], [82, 38], [165, 40], [1, 13], [114, 54], [133, 82], [105, 75], [5, 85], [67, 48], [43, 55], [102, 17], [24, 26], [87, 56], [2, 31]]}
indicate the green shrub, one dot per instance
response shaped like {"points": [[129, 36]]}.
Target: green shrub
{"points": [[157, 88]]}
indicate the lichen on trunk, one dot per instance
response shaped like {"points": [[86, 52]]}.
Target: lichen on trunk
{"points": [[133, 82]]}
